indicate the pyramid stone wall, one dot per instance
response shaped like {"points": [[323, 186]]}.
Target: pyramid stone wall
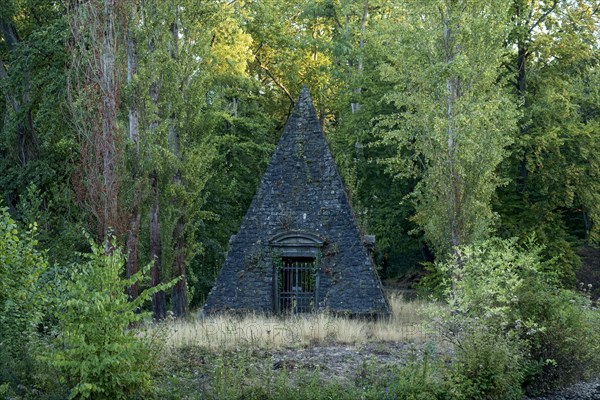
{"points": [[301, 191]]}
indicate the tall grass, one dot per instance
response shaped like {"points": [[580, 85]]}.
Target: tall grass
{"points": [[273, 332]]}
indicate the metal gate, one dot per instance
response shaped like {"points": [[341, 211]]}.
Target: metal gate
{"points": [[296, 285]]}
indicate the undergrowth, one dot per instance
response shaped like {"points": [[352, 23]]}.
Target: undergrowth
{"points": [[197, 373]]}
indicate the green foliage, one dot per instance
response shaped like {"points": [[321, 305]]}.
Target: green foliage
{"points": [[563, 344], [453, 118], [481, 316], [221, 90], [243, 146], [433, 284], [553, 167], [503, 305], [487, 365], [420, 379], [483, 280], [95, 349], [378, 198], [245, 374], [36, 76], [22, 298]]}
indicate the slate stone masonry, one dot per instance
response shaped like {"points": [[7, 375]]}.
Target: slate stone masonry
{"points": [[301, 191]]}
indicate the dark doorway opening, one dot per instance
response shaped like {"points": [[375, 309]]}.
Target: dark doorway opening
{"points": [[296, 285]]}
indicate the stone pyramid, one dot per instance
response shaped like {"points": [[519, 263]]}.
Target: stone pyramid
{"points": [[299, 247]]}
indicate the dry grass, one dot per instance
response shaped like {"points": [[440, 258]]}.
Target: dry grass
{"points": [[270, 332]]}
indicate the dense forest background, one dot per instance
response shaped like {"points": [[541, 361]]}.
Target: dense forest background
{"points": [[153, 121]]}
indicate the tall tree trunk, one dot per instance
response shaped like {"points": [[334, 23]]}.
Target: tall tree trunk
{"points": [[109, 119], [179, 299], [158, 299], [94, 83], [132, 249], [363, 22], [134, 136], [179, 294], [455, 189]]}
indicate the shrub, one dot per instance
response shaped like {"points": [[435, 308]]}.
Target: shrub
{"points": [[420, 379], [21, 299], [487, 365], [565, 347], [96, 352], [549, 334]]}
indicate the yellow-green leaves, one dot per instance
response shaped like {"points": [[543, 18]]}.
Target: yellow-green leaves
{"points": [[96, 348], [454, 117]]}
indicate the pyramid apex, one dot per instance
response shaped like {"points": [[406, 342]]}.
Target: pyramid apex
{"points": [[304, 94]]}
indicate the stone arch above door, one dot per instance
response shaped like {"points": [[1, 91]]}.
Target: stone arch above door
{"points": [[296, 244]]}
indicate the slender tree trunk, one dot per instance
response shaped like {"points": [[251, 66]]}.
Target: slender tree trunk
{"points": [[455, 189], [134, 125], [132, 250], [109, 120], [526, 27], [179, 300], [110, 91], [234, 107], [179, 294], [134, 135], [158, 299], [356, 106]]}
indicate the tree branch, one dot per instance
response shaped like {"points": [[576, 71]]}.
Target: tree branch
{"points": [[11, 98], [264, 68], [543, 16], [10, 34], [336, 20]]}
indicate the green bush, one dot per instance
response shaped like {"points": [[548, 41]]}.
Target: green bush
{"points": [[566, 346], [420, 379], [95, 350], [487, 365], [504, 304], [21, 299]]}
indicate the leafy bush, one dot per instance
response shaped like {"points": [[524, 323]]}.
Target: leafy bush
{"points": [[487, 366], [566, 346], [96, 352], [21, 299], [420, 379], [537, 333]]}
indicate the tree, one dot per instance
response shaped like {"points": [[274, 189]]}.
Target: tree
{"points": [[19, 101], [356, 108], [39, 190], [453, 119], [133, 231], [187, 57], [553, 190], [95, 81]]}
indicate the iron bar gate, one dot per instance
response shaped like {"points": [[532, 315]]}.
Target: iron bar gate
{"points": [[297, 285]]}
